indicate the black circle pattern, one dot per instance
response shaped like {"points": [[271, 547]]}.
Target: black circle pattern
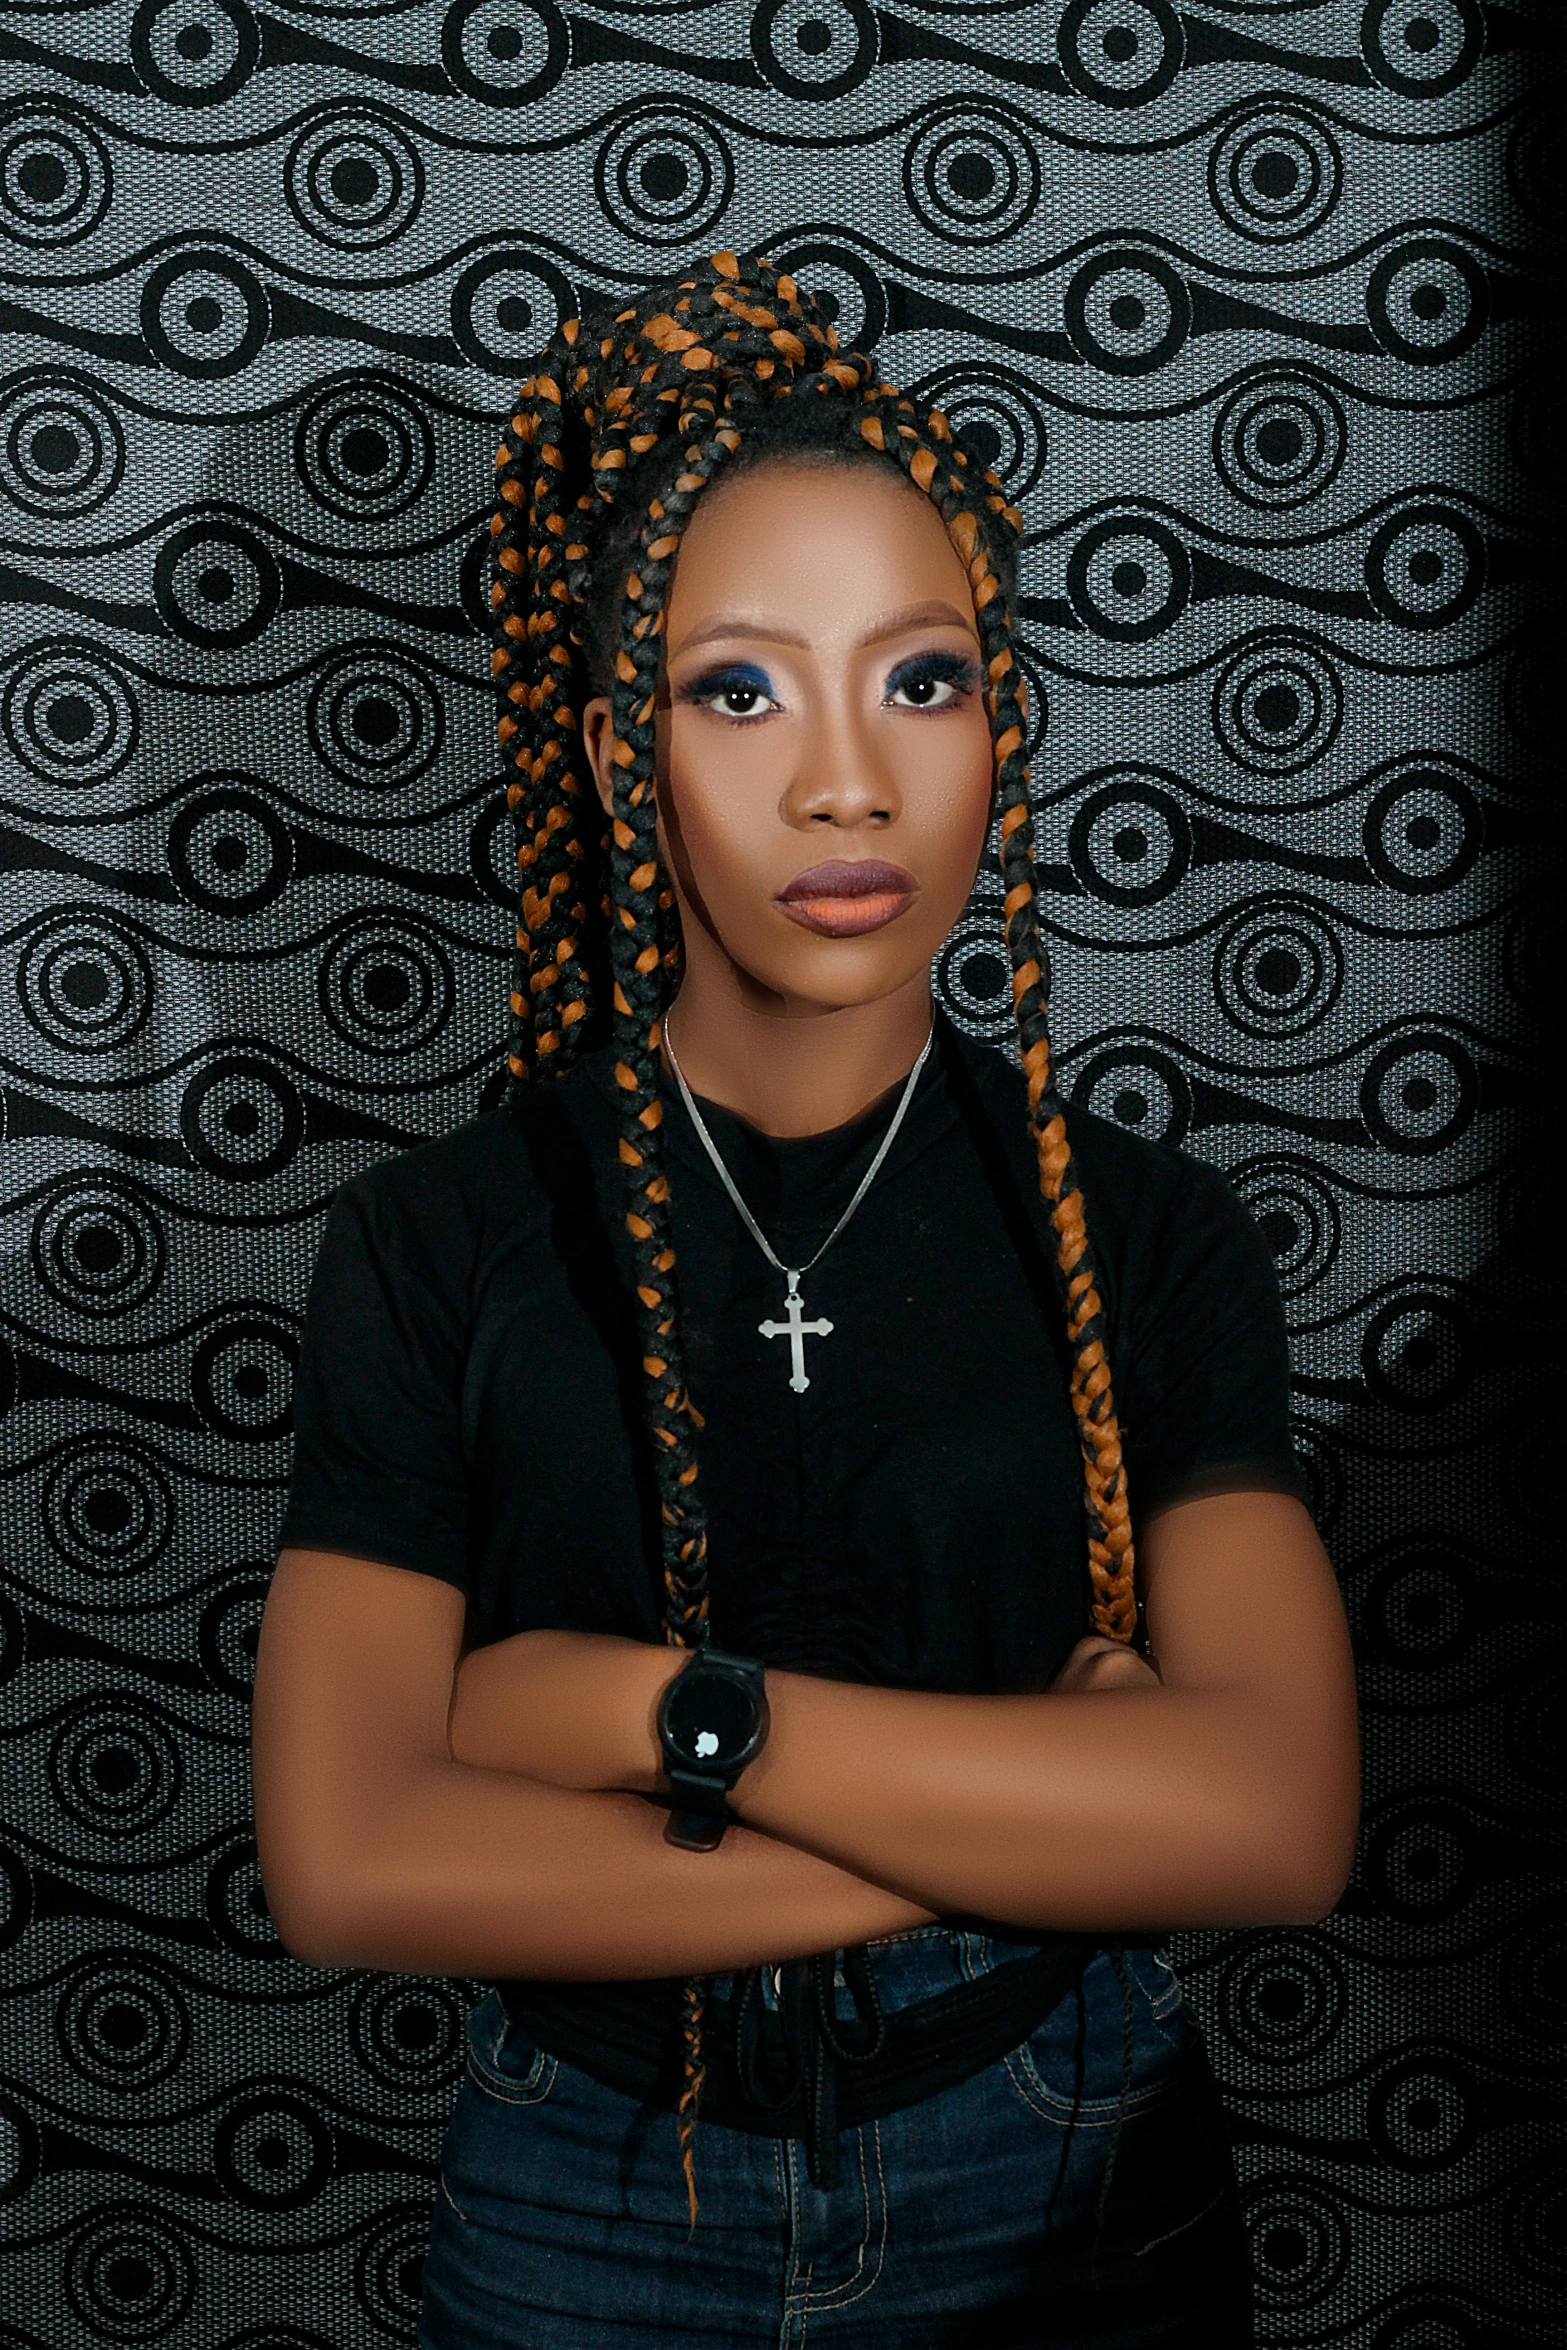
{"points": [[1244, 305]]}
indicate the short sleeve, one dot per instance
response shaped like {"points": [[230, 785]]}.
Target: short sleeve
{"points": [[1202, 1371], [378, 1467]]}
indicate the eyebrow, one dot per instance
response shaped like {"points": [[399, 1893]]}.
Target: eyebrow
{"points": [[890, 624]]}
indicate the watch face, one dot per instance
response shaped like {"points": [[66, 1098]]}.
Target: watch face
{"points": [[709, 1718]]}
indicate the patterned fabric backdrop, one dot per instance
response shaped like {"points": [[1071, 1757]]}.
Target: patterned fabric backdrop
{"points": [[1240, 299]]}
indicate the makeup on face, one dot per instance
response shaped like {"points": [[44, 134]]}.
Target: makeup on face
{"points": [[847, 896]]}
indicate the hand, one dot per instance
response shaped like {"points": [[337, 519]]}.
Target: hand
{"points": [[571, 1709], [1100, 1663]]}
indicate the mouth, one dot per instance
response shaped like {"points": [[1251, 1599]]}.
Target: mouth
{"points": [[847, 897]]}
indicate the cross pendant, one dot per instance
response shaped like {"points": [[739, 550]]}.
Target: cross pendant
{"points": [[796, 1329]]}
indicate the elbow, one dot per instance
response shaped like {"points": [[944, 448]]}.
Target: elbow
{"points": [[310, 1912], [1319, 1859]]}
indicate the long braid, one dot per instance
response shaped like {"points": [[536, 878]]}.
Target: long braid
{"points": [[681, 383]]}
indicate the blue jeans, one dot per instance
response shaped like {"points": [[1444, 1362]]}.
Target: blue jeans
{"points": [[989, 2214]]}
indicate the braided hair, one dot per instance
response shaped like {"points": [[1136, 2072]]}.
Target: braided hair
{"points": [[606, 452]]}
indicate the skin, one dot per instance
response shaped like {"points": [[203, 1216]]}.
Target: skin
{"points": [[423, 1809]]}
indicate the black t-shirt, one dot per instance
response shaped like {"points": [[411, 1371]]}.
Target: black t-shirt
{"points": [[468, 1396]]}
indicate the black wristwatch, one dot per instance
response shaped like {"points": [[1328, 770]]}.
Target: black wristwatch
{"points": [[712, 1721]]}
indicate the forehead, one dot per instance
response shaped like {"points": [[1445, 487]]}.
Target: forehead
{"points": [[803, 537]]}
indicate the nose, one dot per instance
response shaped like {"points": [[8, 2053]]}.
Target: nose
{"points": [[843, 776]]}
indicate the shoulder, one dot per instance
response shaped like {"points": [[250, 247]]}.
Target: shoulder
{"points": [[1128, 1180], [497, 1176]]}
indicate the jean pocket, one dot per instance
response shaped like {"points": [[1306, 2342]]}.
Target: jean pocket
{"points": [[503, 2060], [1108, 2048]]}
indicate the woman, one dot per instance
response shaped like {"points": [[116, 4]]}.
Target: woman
{"points": [[827, 2004]]}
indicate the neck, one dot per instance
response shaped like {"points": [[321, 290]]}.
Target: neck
{"points": [[797, 1071]]}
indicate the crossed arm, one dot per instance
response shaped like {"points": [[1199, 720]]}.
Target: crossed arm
{"points": [[421, 1810]]}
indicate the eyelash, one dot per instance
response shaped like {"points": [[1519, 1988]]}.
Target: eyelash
{"points": [[936, 668]]}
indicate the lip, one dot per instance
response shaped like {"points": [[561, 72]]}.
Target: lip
{"points": [[848, 896]]}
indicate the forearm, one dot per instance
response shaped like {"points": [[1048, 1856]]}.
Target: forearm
{"points": [[447, 1869], [1143, 1807], [1124, 1808]]}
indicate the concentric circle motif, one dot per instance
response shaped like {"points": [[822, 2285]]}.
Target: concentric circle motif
{"points": [[1428, 300], [1423, 829], [1139, 1087], [1127, 312], [1275, 173], [506, 306], [814, 49], [1120, 52], [975, 976], [386, 983], [1535, 2222], [114, 1766], [229, 852], [237, 1903], [1295, 1209], [1299, 2243], [227, 1635], [1278, 969], [1282, 2001], [1422, 48], [492, 851], [70, 716], [272, 2152], [194, 52], [61, 448], [1421, 1609], [1130, 842], [107, 1507], [364, 448], [85, 982], [1534, 1979], [375, 719], [1279, 439], [1422, 2114], [97, 1245], [354, 179], [1425, 567], [19, 2166], [665, 175], [389, 2268], [1317, 1455], [128, 2276], [1537, 173], [409, 2034], [1419, 1093], [1419, 1351], [56, 180], [1129, 578], [122, 2021], [971, 174], [1278, 706], [505, 52], [204, 314], [994, 414], [845, 288], [216, 585], [242, 1377], [241, 1118]]}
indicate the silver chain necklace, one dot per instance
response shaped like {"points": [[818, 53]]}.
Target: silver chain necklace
{"points": [[795, 1327]]}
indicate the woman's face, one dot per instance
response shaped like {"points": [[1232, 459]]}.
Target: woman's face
{"points": [[823, 749]]}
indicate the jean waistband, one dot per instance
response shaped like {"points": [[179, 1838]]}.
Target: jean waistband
{"points": [[814, 2045]]}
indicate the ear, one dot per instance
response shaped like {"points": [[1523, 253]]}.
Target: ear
{"points": [[598, 738]]}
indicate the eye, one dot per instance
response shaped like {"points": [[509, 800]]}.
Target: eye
{"points": [[733, 692], [932, 681]]}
